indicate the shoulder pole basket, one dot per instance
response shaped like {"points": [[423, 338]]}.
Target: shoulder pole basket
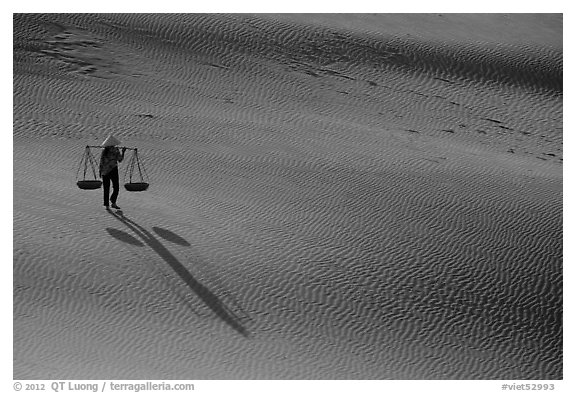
{"points": [[133, 165], [88, 160]]}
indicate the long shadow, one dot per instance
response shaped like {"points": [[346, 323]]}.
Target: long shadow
{"points": [[211, 300]]}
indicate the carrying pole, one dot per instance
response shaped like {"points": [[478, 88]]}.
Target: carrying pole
{"points": [[119, 147]]}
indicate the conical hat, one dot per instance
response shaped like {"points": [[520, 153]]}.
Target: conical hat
{"points": [[110, 141]]}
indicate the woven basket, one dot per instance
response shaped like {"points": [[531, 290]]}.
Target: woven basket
{"points": [[89, 184], [136, 186]]}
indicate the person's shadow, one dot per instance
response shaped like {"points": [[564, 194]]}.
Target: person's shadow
{"points": [[210, 299]]}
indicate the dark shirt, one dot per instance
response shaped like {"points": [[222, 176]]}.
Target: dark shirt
{"points": [[109, 160]]}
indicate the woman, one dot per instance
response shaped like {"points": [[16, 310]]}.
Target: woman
{"points": [[109, 160]]}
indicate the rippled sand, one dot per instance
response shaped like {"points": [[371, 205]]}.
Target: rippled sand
{"points": [[332, 197]]}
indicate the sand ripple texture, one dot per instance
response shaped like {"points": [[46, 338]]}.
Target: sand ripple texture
{"points": [[329, 198]]}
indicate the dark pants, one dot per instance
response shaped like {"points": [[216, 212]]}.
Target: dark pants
{"points": [[113, 175]]}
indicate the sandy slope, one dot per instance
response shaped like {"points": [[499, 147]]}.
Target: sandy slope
{"points": [[368, 197]]}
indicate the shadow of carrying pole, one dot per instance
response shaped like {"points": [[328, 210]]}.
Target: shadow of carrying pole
{"points": [[211, 300]]}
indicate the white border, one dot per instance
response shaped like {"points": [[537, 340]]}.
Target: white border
{"points": [[300, 6]]}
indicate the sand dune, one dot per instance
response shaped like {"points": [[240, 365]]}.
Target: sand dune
{"points": [[332, 197]]}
